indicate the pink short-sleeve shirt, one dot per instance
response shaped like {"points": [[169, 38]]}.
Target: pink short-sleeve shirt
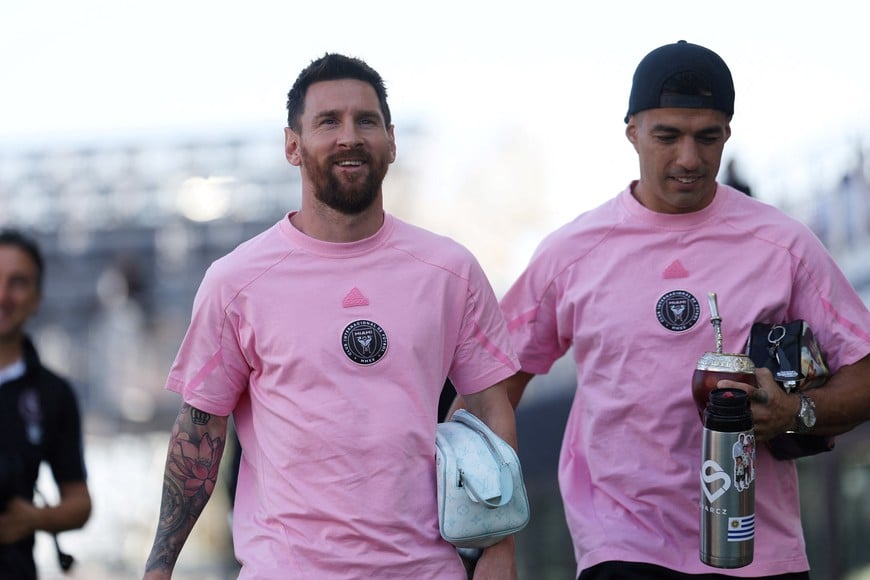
{"points": [[331, 359]]}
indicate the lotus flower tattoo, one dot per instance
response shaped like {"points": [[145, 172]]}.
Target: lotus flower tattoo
{"points": [[196, 465]]}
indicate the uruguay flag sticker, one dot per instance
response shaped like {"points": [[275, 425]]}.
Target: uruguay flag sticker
{"points": [[741, 529]]}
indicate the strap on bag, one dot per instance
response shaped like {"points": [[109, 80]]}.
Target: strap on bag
{"points": [[506, 481]]}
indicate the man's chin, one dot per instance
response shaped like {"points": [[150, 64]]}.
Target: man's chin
{"points": [[351, 210], [349, 205]]}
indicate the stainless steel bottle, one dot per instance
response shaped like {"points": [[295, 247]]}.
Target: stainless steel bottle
{"points": [[728, 481]]}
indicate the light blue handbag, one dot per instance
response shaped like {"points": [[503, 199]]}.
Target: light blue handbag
{"points": [[481, 494]]}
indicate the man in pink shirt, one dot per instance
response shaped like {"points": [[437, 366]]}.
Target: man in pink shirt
{"points": [[328, 338], [622, 287]]}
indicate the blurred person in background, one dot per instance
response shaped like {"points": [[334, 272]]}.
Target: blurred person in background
{"points": [[622, 285], [39, 421], [328, 338], [734, 177]]}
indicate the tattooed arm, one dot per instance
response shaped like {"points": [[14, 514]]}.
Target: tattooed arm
{"points": [[195, 450]]}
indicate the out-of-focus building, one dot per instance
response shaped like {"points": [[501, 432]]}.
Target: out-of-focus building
{"points": [[128, 230]]}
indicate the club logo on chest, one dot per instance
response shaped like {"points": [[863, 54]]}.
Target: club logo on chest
{"points": [[364, 342], [678, 310]]}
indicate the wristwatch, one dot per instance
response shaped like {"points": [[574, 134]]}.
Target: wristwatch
{"points": [[806, 417]]}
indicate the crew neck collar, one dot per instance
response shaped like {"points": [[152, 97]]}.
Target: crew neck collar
{"points": [[672, 220], [337, 249]]}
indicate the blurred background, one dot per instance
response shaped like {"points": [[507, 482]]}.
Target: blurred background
{"points": [[140, 141]]}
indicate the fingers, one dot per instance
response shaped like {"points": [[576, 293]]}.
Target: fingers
{"points": [[759, 396], [756, 394]]}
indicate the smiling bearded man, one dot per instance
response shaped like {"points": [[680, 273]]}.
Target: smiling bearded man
{"points": [[347, 194]]}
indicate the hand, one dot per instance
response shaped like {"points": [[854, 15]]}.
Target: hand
{"points": [[498, 562], [773, 410], [18, 521]]}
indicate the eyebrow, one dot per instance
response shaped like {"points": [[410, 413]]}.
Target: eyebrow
{"points": [[711, 130], [357, 114]]}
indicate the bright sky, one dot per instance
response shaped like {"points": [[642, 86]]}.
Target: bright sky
{"points": [[546, 80]]}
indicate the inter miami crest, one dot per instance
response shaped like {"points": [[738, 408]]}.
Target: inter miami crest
{"points": [[678, 310], [364, 342]]}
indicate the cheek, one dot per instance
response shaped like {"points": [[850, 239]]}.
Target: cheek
{"points": [[33, 305], [650, 162], [714, 157]]}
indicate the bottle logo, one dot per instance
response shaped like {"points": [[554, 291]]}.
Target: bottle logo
{"points": [[711, 473]]}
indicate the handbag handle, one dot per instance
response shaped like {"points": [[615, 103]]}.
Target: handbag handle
{"points": [[506, 481]]}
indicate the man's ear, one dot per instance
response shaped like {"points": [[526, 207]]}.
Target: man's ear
{"points": [[392, 136], [631, 130], [292, 147]]}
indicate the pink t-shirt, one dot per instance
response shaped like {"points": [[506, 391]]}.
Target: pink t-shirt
{"points": [[626, 289], [331, 359]]}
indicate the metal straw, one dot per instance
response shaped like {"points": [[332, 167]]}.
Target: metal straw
{"points": [[715, 319]]}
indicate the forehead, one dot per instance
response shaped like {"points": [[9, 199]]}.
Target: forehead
{"points": [[14, 260], [340, 95], [683, 119]]}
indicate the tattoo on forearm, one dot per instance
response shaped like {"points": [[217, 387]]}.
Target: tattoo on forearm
{"points": [[190, 478], [199, 417]]}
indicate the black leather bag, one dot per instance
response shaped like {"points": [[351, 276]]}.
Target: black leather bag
{"points": [[792, 354]]}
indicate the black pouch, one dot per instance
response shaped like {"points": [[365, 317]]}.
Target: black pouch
{"points": [[792, 354]]}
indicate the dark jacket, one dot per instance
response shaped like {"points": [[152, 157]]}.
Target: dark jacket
{"points": [[39, 421]]}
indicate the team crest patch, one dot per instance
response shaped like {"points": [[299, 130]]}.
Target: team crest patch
{"points": [[678, 310], [364, 342]]}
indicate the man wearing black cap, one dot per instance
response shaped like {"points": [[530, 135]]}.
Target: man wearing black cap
{"points": [[623, 286]]}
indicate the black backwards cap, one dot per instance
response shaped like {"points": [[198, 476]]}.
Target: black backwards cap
{"points": [[672, 59]]}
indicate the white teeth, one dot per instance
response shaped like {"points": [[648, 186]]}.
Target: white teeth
{"points": [[686, 179], [349, 163]]}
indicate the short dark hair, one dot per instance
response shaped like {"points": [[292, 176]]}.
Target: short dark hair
{"points": [[28, 245], [333, 67]]}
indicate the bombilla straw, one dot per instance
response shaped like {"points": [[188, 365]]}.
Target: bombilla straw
{"points": [[715, 319]]}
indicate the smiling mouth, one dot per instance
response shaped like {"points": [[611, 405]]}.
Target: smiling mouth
{"points": [[350, 163], [687, 180]]}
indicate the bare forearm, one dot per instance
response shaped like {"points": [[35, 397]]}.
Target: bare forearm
{"points": [[841, 404], [515, 386], [72, 512], [844, 401], [195, 451], [494, 409], [21, 517], [498, 561]]}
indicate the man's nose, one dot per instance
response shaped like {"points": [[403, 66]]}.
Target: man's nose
{"points": [[688, 156], [349, 135]]}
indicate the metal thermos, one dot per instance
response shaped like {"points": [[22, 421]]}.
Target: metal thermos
{"points": [[728, 481]]}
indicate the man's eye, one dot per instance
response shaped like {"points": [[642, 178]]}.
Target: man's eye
{"points": [[19, 283]]}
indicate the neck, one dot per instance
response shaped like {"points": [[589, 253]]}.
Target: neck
{"points": [[11, 349], [324, 223]]}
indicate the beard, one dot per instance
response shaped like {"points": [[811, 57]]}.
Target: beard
{"points": [[349, 197]]}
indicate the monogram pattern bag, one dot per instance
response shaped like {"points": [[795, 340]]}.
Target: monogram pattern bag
{"points": [[792, 354], [481, 494]]}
